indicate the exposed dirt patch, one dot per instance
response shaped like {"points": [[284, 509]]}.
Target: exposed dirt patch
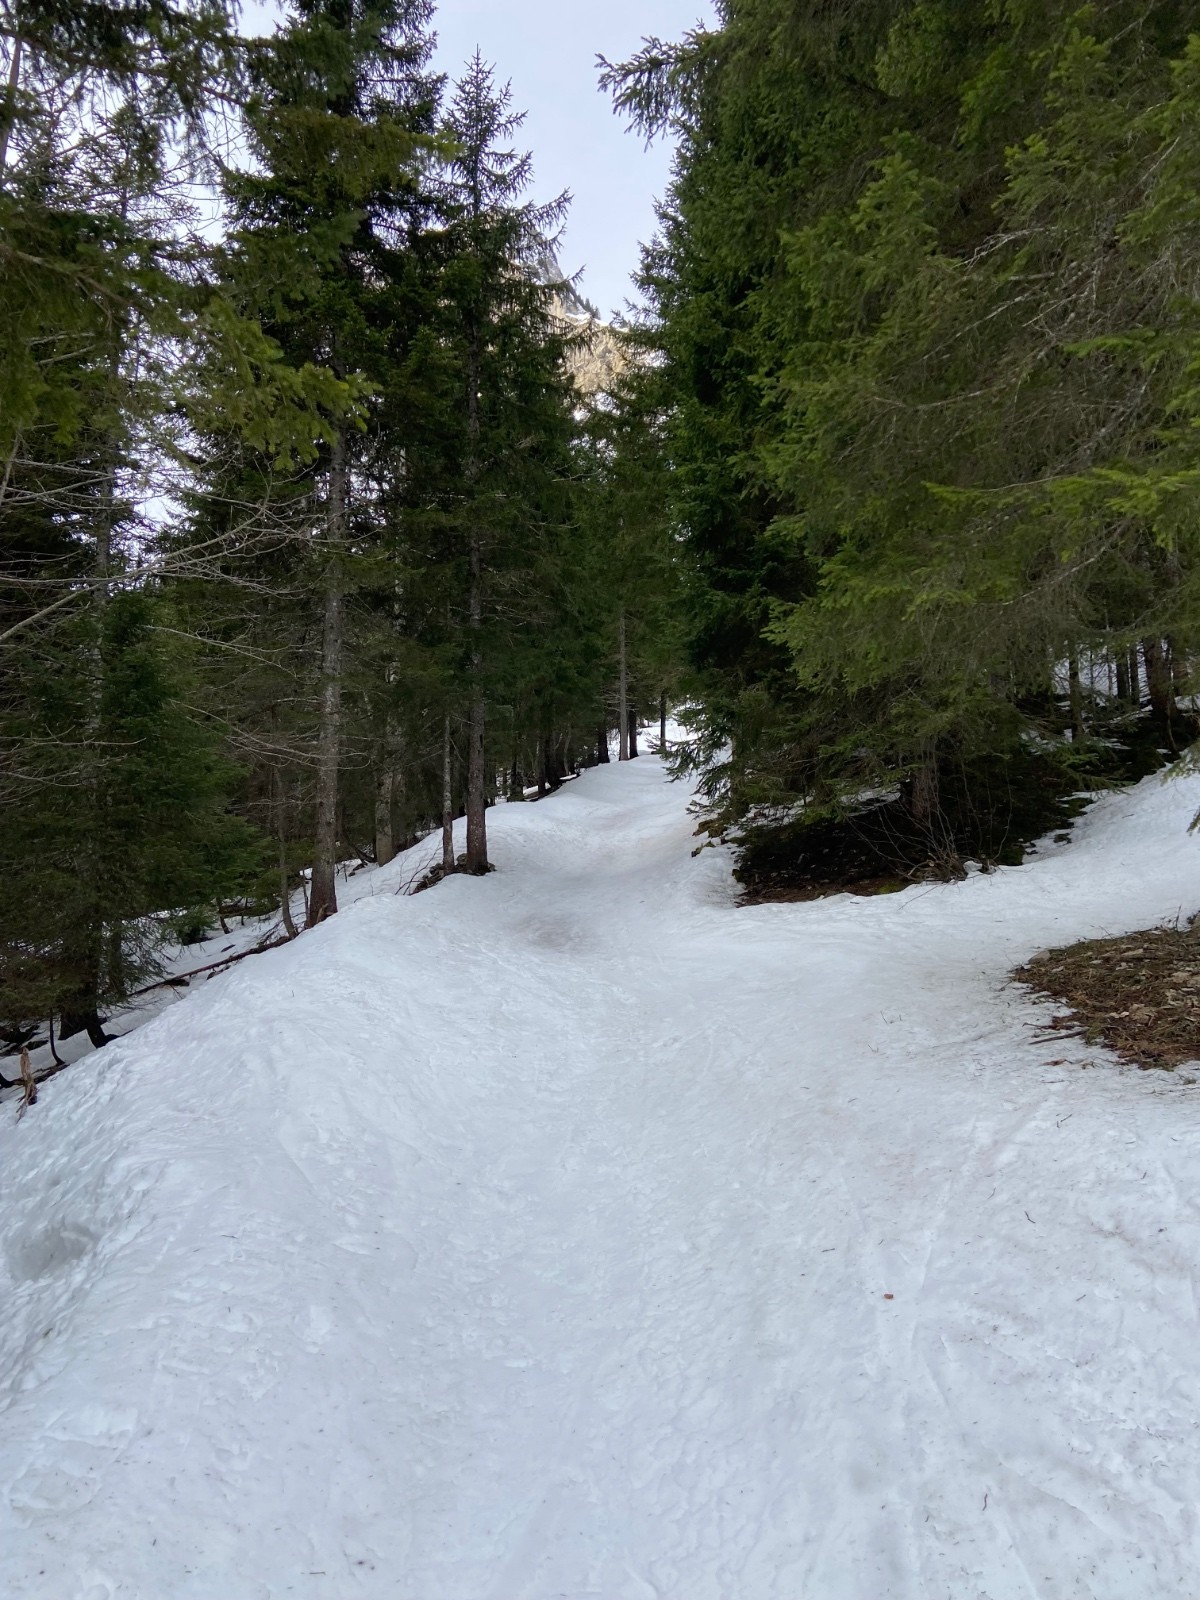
{"points": [[766, 891], [1139, 994]]}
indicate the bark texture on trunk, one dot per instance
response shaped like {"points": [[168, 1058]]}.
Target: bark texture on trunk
{"points": [[924, 798], [622, 689], [552, 767], [285, 891], [477, 853], [1078, 730], [385, 839], [602, 756], [1159, 684], [85, 949], [89, 1022], [1180, 669], [447, 798], [322, 898], [389, 780], [84, 954], [1122, 665]]}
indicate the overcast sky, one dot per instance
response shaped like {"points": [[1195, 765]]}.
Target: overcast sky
{"points": [[548, 49]]}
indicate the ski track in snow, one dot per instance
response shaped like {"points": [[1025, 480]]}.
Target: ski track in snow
{"points": [[529, 1239]]}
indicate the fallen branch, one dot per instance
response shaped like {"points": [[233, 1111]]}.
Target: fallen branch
{"points": [[180, 980], [423, 876]]}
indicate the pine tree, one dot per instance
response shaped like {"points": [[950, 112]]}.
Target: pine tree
{"points": [[514, 407], [638, 573], [96, 298], [341, 123]]}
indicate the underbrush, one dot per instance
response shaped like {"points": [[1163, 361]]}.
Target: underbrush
{"points": [[990, 810]]}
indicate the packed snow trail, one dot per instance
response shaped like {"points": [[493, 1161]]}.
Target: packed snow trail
{"points": [[574, 1232]]}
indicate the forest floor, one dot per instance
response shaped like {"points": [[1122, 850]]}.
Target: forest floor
{"points": [[1138, 994], [577, 1232]]}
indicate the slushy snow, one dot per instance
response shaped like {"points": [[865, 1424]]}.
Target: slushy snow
{"points": [[575, 1232]]}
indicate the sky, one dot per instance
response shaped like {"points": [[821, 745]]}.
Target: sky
{"points": [[548, 49]]}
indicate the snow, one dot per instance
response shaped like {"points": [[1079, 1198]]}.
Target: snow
{"points": [[575, 1232]]}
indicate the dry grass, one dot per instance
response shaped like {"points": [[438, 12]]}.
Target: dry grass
{"points": [[1139, 994]]}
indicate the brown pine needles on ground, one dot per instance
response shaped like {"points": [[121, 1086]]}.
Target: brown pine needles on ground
{"points": [[1138, 994]]}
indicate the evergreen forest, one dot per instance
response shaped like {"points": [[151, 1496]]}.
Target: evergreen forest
{"points": [[925, 307], [312, 541]]}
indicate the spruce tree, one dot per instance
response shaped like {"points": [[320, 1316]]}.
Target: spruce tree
{"points": [[513, 410], [923, 306], [340, 122], [98, 299]]}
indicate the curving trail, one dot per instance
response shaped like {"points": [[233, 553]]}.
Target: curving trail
{"points": [[574, 1233]]}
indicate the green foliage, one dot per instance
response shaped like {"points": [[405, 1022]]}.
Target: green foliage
{"points": [[926, 298], [124, 830], [280, 502]]}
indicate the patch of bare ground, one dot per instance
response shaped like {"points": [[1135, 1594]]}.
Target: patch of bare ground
{"points": [[767, 893], [1138, 994]]}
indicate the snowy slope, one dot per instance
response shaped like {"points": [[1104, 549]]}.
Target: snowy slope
{"points": [[531, 1239]]}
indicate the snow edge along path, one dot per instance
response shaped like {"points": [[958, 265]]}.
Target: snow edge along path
{"points": [[574, 1232]]}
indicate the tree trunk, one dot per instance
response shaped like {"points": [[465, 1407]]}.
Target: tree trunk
{"points": [[1078, 730], [85, 948], [385, 838], [924, 799], [385, 796], [1180, 669], [622, 689], [633, 733], [87, 1021], [285, 892], [662, 723], [1135, 682], [1158, 683], [447, 799], [602, 756], [402, 818], [1122, 665], [551, 764], [477, 853], [387, 778], [322, 899], [1186, 724]]}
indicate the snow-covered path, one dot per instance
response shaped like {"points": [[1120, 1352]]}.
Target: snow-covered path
{"points": [[575, 1233]]}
